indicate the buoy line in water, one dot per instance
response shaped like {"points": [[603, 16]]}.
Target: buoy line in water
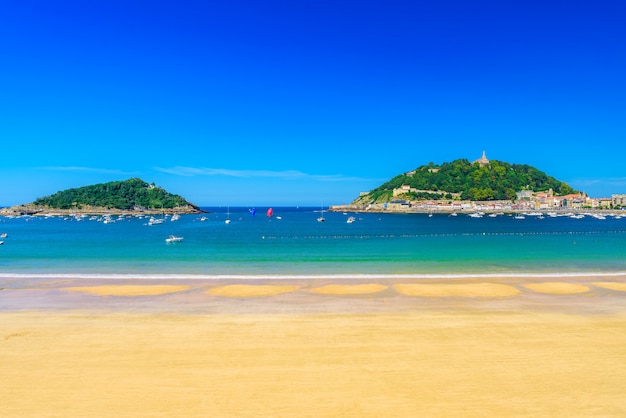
{"points": [[464, 234]]}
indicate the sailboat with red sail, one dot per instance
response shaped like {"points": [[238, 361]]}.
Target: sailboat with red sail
{"points": [[270, 212]]}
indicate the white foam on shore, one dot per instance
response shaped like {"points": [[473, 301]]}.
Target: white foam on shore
{"points": [[341, 276]]}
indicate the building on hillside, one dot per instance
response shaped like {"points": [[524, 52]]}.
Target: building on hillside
{"points": [[482, 160], [525, 194], [405, 188]]}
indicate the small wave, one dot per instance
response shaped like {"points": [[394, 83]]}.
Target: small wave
{"points": [[341, 276]]}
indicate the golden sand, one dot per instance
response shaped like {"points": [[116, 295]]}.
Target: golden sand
{"points": [[457, 363], [129, 290], [482, 290], [244, 291], [357, 289], [437, 358], [557, 288], [611, 285]]}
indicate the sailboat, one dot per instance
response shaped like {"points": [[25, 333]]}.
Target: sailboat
{"points": [[270, 212], [227, 221], [321, 217]]}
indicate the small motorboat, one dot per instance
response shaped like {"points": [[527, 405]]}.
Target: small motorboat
{"points": [[173, 238]]}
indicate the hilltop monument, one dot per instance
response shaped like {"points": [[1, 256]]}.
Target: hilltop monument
{"points": [[482, 160]]}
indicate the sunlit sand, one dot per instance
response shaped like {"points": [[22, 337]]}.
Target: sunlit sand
{"points": [[557, 288], [147, 290], [487, 350], [357, 365], [244, 291], [611, 285], [357, 289], [481, 290]]}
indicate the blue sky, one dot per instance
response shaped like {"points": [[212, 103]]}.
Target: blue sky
{"points": [[305, 102]]}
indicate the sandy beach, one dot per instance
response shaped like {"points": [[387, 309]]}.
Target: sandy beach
{"points": [[488, 346]]}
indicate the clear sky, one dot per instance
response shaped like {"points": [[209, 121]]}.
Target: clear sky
{"points": [[305, 102]]}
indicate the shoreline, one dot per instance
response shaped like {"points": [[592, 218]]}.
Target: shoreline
{"points": [[319, 276], [38, 211], [582, 293], [25, 210]]}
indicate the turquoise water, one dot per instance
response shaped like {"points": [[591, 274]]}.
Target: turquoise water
{"points": [[296, 244]]}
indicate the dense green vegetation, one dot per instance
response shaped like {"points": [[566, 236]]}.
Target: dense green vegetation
{"points": [[124, 195], [468, 181]]}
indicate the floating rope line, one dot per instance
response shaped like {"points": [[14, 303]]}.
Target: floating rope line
{"points": [[464, 234]]}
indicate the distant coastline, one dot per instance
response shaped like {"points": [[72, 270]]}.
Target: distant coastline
{"points": [[482, 207]]}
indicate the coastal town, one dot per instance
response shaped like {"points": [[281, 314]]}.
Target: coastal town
{"points": [[527, 201]]}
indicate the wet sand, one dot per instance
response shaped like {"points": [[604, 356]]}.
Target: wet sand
{"points": [[313, 348]]}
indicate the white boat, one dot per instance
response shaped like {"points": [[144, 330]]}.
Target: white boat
{"points": [[227, 221], [173, 238], [175, 217], [351, 219], [155, 221], [4, 235], [321, 217]]}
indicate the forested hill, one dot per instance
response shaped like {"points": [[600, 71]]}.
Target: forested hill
{"points": [[122, 195], [465, 180]]}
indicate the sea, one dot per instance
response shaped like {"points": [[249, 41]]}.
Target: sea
{"points": [[293, 243]]}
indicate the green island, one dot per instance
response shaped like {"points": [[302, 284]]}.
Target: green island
{"points": [[464, 180], [129, 196]]}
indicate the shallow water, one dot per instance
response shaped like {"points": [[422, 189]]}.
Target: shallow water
{"points": [[412, 245]]}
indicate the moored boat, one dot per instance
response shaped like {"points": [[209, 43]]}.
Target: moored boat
{"points": [[173, 238]]}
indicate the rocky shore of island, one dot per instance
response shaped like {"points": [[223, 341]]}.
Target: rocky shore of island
{"points": [[37, 210]]}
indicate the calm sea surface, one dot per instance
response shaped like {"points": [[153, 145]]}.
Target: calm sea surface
{"points": [[292, 242]]}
